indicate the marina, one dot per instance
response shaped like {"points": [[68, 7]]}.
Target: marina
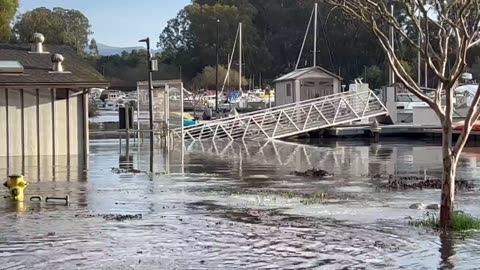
{"points": [[244, 135]]}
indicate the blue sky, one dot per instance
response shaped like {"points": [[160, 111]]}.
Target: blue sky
{"points": [[119, 23]]}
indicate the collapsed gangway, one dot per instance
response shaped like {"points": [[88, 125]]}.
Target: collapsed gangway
{"points": [[290, 119]]}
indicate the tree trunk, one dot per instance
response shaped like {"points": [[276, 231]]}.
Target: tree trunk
{"points": [[448, 178]]}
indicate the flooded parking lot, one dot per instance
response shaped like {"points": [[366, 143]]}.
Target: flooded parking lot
{"points": [[234, 206]]}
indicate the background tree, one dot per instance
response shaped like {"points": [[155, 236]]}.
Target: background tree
{"points": [[189, 39], [77, 28], [59, 26], [273, 33], [448, 30], [41, 20], [93, 48], [129, 68], [8, 8], [375, 76], [206, 79], [197, 98]]}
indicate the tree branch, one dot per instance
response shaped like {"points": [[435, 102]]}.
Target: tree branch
{"points": [[472, 116]]}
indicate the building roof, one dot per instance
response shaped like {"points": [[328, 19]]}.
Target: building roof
{"points": [[38, 67], [299, 72]]}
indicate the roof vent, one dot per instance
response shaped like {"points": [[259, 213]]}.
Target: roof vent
{"points": [[37, 43], [57, 60]]}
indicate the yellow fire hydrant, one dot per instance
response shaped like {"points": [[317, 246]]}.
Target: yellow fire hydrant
{"points": [[16, 186]]}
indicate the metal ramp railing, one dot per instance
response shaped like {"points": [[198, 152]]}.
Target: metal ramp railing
{"points": [[291, 119]]}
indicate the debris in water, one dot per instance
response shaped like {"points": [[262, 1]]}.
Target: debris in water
{"points": [[420, 182], [127, 171], [434, 206], [313, 173], [118, 217], [417, 206]]}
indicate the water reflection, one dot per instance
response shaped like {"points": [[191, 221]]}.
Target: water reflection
{"points": [[45, 168], [202, 202], [342, 158], [447, 251]]}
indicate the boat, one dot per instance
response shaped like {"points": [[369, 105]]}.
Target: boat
{"points": [[188, 120], [460, 126], [466, 91]]}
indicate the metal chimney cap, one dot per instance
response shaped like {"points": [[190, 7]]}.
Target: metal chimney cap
{"points": [[37, 38], [57, 58]]}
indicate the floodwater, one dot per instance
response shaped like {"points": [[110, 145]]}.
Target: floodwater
{"points": [[217, 206]]}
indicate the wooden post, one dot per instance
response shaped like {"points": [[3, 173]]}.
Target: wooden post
{"points": [[127, 131], [375, 131]]}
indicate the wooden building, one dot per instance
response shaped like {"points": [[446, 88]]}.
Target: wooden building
{"points": [[44, 99], [306, 83]]}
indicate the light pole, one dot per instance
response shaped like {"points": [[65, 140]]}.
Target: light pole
{"points": [[216, 66], [150, 98]]}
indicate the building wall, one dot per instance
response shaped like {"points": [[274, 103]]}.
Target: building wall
{"points": [[3, 123], [30, 120], [45, 128], [60, 117], [299, 94], [14, 122], [425, 116], [315, 88], [42, 122], [281, 97], [320, 76]]}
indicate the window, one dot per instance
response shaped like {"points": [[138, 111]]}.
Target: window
{"points": [[289, 90]]}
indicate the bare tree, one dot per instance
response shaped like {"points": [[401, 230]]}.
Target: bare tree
{"points": [[447, 30]]}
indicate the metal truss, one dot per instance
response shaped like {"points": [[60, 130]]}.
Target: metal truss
{"points": [[291, 119]]}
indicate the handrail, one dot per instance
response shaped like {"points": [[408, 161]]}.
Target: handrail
{"points": [[277, 108]]}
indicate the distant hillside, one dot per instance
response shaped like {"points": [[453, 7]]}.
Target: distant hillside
{"points": [[106, 50]]}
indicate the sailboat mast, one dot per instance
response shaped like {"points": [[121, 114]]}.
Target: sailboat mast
{"points": [[240, 59], [315, 37]]}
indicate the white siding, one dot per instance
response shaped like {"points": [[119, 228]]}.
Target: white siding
{"points": [[30, 121], [296, 91], [337, 88], [61, 138], [14, 122], [281, 97], [33, 125], [3, 124], [45, 119], [75, 124]]}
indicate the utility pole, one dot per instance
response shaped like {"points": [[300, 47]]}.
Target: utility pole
{"points": [[150, 99], [216, 66]]}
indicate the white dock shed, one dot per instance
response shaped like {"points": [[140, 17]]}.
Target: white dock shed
{"points": [[304, 84]]}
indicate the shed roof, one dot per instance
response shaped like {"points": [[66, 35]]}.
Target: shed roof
{"points": [[299, 72], [38, 67]]}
